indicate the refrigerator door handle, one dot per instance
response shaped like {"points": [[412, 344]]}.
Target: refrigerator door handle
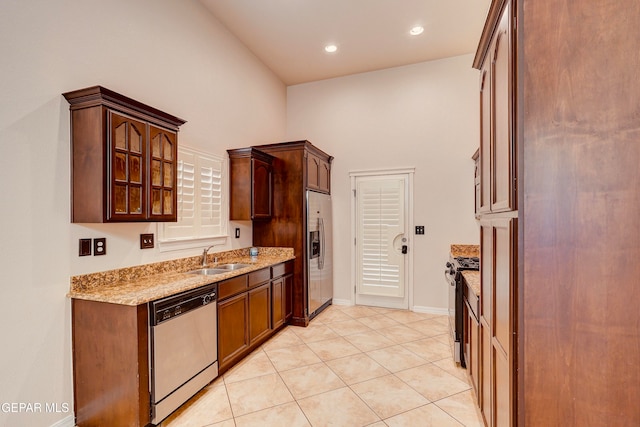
{"points": [[321, 260]]}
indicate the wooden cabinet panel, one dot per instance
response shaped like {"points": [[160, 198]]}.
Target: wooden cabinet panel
{"points": [[278, 302], [288, 296], [501, 389], [485, 398], [124, 159], [262, 194], [318, 174], [232, 286], [503, 285], [502, 183], [486, 133], [486, 269], [259, 277], [497, 258], [110, 364], [251, 184], [259, 312], [472, 346], [497, 152], [233, 331]]}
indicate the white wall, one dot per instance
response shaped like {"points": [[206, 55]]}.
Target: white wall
{"points": [[169, 54], [423, 116]]}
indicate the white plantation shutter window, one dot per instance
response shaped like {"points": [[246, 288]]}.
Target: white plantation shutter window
{"points": [[202, 212], [210, 172]]}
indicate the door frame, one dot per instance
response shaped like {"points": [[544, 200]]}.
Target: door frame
{"points": [[409, 172]]}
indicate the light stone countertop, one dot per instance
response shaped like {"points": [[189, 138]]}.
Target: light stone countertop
{"points": [[141, 284], [473, 280], [465, 250]]}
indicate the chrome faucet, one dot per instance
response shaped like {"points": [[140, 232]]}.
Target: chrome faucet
{"points": [[205, 252]]}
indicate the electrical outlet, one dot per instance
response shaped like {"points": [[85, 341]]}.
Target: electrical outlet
{"points": [[419, 229], [237, 233], [146, 241], [100, 246], [84, 247]]}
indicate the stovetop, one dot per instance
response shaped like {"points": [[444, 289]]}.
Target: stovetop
{"points": [[466, 263]]}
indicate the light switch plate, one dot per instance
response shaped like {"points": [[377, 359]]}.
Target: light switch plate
{"points": [[419, 229], [84, 247], [146, 241]]}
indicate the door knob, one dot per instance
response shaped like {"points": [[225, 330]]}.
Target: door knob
{"points": [[404, 249]]}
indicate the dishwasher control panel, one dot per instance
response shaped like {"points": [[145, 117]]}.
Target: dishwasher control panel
{"points": [[176, 305]]}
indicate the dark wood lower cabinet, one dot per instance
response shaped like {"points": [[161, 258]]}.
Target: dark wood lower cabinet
{"points": [[111, 344], [233, 331], [259, 313], [250, 312], [110, 364]]}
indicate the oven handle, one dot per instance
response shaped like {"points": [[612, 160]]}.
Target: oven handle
{"points": [[447, 275]]}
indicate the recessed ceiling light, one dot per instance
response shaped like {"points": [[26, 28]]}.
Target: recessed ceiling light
{"points": [[416, 31], [330, 48]]}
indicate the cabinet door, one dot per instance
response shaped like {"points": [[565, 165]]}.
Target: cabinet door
{"points": [[233, 332], [486, 132], [503, 319], [278, 302], [261, 190], [498, 319], [288, 297], [324, 177], [472, 347], [163, 178], [259, 312], [502, 160], [485, 380], [318, 174], [313, 172], [126, 195]]}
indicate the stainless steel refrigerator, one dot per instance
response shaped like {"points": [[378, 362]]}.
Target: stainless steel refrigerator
{"points": [[319, 252]]}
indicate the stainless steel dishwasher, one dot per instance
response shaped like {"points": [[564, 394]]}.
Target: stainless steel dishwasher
{"points": [[184, 348]]}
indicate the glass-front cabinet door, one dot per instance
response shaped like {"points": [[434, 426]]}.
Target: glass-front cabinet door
{"points": [[128, 169], [163, 160]]}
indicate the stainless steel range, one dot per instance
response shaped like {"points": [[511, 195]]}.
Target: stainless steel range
{"points": [[456, 292]]}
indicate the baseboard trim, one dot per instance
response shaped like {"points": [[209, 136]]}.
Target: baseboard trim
{"points": [[341, 301], [430, 310]]}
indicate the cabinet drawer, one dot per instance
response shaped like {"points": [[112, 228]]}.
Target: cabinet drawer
{"points": [[282, 269], [260, 276], [232, 286]]}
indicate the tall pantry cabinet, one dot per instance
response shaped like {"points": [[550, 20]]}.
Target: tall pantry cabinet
{"points": [[560, 230], [498, 217]]}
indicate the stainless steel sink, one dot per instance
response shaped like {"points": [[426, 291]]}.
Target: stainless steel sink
{"points": [[208, 271], [235, 266]]}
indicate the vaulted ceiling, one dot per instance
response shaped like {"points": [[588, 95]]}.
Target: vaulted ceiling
{"points": [[289, 36]]}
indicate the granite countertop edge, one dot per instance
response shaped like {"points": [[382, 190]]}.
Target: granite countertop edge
{"points": [[115, 287], [473, 280]]}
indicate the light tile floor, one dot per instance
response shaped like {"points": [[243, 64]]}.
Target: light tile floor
{"points": [[352, 366]]}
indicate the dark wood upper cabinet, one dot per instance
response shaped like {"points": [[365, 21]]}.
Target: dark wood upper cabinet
{"points": [[497, 148], [124, 159], [318, 173], [251, 184]]}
